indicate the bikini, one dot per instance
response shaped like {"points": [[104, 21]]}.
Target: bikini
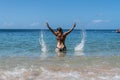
{"points": [[61, 49]]}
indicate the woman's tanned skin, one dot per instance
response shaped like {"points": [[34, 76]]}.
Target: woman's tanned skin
{"points": [[60, 36]]}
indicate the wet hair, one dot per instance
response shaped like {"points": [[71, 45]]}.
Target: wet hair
{"points": [[59, 29]]}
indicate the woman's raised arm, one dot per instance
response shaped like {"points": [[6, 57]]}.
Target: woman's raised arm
{"points": [[70, 30], [50, 28]]}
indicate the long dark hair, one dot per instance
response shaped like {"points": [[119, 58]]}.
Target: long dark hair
{"points": [[60, 29]]}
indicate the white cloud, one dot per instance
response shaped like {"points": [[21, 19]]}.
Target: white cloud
{"points": [[7, 23], [100, 21], [35, 24]]}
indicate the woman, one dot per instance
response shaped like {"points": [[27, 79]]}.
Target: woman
{"points": [[60, 36]]}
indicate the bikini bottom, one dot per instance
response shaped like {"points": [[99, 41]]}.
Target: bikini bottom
{"points": [[61, 49]]}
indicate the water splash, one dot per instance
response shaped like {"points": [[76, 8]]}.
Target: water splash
{"points": [[80, 47], [43, 45]]}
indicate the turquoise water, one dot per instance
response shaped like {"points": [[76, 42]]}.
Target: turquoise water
{"points": [[30, 55], [26, 43]]}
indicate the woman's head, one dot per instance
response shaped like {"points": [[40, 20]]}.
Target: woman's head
{"points": [[59, 29]]}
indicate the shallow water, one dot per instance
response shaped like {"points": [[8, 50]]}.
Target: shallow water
{"points": [[56, 68], [30, 55]]}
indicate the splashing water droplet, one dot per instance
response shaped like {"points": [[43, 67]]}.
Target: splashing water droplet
{"points": [[43, 45], [80, 47]]}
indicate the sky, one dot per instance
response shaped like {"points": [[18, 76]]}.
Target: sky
{"points": [[33, 14]]}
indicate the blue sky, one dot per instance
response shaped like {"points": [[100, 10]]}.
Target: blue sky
{"points": [[33, 14]]}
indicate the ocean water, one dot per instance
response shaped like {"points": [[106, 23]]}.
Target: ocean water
{"points": [[30, 55]]}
